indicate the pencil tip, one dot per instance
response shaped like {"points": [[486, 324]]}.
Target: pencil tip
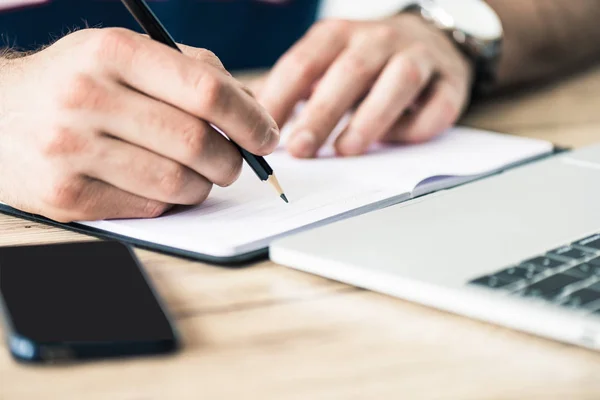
{"points": [[273, 181]]}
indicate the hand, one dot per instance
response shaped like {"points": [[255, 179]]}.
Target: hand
{"points": [[109, 124], [407, 79]]}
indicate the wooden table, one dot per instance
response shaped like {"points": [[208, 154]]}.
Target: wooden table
{"points": [[268, 332]]}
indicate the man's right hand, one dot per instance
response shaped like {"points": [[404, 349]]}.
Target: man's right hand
{"points": [[109, 124]]}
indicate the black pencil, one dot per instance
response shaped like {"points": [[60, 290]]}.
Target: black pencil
{"points": [[150, 23]]}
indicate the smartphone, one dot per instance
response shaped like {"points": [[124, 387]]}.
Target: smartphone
{"points": [[79, 301]]}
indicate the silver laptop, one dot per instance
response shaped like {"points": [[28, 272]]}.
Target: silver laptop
{"points": [[519, 249]]}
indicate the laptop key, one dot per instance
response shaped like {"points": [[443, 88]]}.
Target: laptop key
{"points": [[543, 263], [581, 298], [595, 286], [550, 287], [584, 270], [572, 253], [595, 261], [491, 282], [514, 274], [592, 242]]}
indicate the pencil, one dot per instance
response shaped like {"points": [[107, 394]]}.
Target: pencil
{"points": [[153, 27]]}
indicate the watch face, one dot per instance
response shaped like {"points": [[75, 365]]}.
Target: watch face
{"points": [[474, 17]]}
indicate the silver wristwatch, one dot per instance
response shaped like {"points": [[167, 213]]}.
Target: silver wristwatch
{"points": [[473, 26]]}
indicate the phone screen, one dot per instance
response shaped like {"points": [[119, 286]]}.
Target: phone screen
{"points": [[81, 293]]}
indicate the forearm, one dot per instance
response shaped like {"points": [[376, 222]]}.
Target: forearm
{"points": [[11, 63], [8, 57], [7, 53], [546, 38]]}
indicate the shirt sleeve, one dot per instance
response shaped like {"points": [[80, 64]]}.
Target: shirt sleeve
{"points": [[7, 4], [360, 9]]}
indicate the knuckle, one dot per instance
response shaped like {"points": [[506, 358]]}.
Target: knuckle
{"points": [[384, 34], [82, 92], [421, 50], [232, 171], [158, 118], [209, 57], [358, 65], [65, 194], [335, 27], [195, 138], [411, 71], [327, 113], [112, 44], [206, 54], [203, 194], [61, 141], [153, 209], [301, 66], [211, 92], [173, 180]]}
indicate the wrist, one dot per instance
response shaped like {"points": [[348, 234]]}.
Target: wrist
{"points": [[445, 46], [8, 65], [11, 72], [475, 29], [10, 61], [6, 68]]}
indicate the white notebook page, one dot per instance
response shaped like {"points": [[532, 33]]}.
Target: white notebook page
{"points": [[249, 214]]}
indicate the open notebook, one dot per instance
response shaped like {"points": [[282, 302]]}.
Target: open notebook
{"points": [[238, 223]]}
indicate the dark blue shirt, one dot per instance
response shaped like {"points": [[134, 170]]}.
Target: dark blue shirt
{"points": [[243, 33]]}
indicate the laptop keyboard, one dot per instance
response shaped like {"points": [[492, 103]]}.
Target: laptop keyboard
{"points": [[568, 276]]}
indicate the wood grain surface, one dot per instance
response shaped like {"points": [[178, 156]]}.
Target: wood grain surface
{"points": [[267, 332]]}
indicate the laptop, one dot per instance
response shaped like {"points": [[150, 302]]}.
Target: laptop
{"points": [[519, 249]]}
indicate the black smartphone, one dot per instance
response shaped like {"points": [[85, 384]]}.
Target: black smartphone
{"points": [[79, 301]]}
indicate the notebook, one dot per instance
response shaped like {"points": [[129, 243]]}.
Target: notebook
{"points": [[236, 224]]}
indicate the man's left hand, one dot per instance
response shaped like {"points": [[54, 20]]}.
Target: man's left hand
{"points": [[405, 79]]}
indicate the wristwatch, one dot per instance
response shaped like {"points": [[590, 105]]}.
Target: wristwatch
{"points": [[473, 26]]}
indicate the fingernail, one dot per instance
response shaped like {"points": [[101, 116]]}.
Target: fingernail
{"points": [[270, 140], [353, 143], [303, 144]]}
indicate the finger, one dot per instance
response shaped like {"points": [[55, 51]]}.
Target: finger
{"points": [[203, 55], [208, 57], [439, 112], [172, 133], [349, 78], [401, 82], [86, 199], [200, 54], [255, 85], [301, 66], [145, 174], [201, 90]]}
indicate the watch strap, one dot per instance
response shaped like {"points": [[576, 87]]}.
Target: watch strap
{"points": [[484, 54]]}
